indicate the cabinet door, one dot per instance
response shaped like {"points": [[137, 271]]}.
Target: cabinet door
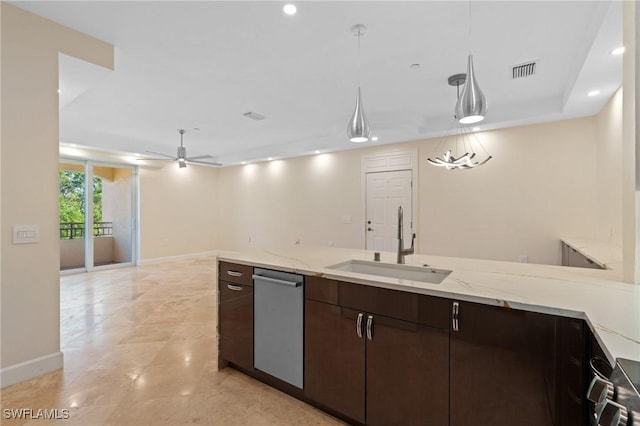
{"points": [[407, 374], [334, 359], [236, 324], [498, 361]]}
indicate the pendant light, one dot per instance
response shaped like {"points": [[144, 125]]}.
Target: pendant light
{"points": [[459, 146], [472, 105], [358, 128]]}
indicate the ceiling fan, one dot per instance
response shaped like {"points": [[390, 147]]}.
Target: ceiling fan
{"points": [[182, 158]]}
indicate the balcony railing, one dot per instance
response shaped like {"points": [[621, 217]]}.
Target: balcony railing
{"points": [[75, 230]]}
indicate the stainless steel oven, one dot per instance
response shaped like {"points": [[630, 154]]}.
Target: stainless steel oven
{"points": [[613, 393]]}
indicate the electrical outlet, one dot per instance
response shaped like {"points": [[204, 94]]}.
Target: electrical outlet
{"points": [[524, 258]]}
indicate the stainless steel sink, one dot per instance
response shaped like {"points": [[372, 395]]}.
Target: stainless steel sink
{"points": [[425, 274]]}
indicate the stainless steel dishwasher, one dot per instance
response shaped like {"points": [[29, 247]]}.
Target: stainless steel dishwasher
{"points": [[278, 318]]}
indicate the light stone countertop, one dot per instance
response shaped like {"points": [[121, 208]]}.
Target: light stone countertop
{"points": [[603, 253], [610, 307]]}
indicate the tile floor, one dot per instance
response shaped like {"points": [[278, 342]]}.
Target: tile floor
{"points": [[140, 348]]}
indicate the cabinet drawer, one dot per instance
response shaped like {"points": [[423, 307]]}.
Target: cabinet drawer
{"points": [[236, 324], [321, 290], [418, 308], [232, 272]]}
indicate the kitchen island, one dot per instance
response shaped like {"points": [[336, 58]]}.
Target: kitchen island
{"points": [[521, 331]]}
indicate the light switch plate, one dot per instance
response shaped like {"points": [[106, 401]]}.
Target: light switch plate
{"points": [[25, 234]]}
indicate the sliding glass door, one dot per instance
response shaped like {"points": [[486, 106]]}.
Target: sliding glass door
{"points": [[97, 215]]}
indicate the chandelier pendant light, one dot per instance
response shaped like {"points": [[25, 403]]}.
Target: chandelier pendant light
{"points": [[358, 129], [460, 144]]}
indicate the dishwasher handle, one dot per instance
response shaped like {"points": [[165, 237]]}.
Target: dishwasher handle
{"points": [[276, 281]]}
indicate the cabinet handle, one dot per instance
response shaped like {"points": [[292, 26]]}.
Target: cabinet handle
{"points": [[234, 287], [234, 273], [454, 316], [370, 327], [359, 325]]}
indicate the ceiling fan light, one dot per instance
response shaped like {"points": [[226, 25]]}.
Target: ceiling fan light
{"points": [[358, 129], [472, 105], [182, 163]]}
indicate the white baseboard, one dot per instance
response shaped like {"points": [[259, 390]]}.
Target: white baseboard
{"points": [[198, 255], [30, 369]]}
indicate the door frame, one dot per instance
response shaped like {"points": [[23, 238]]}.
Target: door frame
{"points": [[389, 161], [88, 243]]}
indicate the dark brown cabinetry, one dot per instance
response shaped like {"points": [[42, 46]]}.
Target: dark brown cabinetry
{"points": [[236, 314], [334, 359], [385, 357], [572, 372], [370, 367], [503, 367]]}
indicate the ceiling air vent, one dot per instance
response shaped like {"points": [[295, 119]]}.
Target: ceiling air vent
{"points": [[523, 70], [254, 116]]}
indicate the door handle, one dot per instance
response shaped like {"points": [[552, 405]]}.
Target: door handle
{"points": [[370, 327], [455, 316], [359, 325]]}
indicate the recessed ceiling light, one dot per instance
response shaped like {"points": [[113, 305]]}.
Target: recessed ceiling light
{"points": [[375, 138], [617, 51], [244, 162], [593, 93], [290, 9], [316, 152], [414, 66], [270, 158], [475, 129]]}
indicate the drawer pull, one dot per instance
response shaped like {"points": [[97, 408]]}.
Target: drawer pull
{"points": [[234, 287], [234, 273]]}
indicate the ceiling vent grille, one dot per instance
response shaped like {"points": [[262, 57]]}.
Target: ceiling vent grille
{"points": [[524, 70], [254, 116]]}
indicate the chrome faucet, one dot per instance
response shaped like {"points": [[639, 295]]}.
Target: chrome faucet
{"points": [[402, 252]]}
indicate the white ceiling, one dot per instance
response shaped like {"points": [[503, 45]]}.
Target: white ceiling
{"points": [[204, 64]]}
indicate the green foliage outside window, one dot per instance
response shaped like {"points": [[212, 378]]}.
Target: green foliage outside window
{"points": [[71, 197]]}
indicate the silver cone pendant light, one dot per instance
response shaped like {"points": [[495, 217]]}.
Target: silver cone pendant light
{"points": [[358, 129], [472, 105]]}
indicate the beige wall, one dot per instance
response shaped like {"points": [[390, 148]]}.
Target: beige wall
{"points": [[276, 203], [608, 173], [30, 296], [631, 144], [539, 186], [178, 211]]}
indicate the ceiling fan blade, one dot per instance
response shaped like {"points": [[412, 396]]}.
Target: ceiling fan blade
{"points": [[198, 157], [161, 154], [189, 160], [157, 159]]}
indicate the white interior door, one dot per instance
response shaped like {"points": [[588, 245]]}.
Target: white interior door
{"points": [[385, 192]]}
